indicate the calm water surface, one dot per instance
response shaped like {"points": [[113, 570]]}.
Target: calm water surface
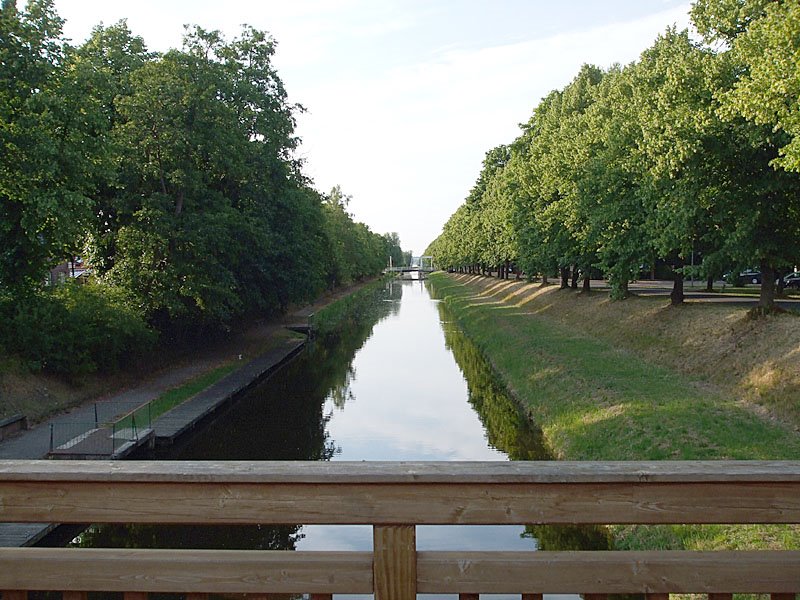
{"points": [[398, 381]]}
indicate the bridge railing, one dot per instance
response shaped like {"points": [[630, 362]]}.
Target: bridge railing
{"points": [[394, 498]]}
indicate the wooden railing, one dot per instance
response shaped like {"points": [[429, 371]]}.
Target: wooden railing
{"points": [[394, 498]]}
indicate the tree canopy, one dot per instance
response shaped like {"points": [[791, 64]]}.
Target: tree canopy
{"points": [[173, 175], [686, 161]]}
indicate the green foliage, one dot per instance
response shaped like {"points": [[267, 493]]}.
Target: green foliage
{"points": [[171, 174], [690, 153], [769, 92], [47, 150], [354, 251], [76, 329]]}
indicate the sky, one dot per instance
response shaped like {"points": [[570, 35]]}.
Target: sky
{"points": [[403, 98]]}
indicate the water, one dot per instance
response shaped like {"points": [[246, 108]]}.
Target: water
{"points": [[398, 381]]}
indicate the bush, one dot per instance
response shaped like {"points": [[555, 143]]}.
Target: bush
{"points": [[76, 329]]}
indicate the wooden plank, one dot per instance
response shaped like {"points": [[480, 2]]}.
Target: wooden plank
{"points": [[782, 596], [607, 572], [656, 596], [134, 596], [14, 594], [720, 597], [186, 571], [532, 596], [74, 595], [410, 503], [320, 597], [395, 562], [403, 472], [469, 597]]}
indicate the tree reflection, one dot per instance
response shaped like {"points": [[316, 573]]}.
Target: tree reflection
{"points": [[513, 432], [280, 419]]}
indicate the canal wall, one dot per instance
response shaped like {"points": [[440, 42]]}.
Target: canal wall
{"points": [[188, 415]]}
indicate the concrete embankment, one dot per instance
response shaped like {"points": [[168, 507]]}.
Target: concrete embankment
{"points": [[188, 415]]}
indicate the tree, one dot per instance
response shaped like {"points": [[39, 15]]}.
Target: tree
{"points": [[44, 205], [674, 106], [768, 93], [612, 183], [757, 198]]}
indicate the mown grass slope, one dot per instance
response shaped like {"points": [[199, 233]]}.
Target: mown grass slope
{"points": [[637, 380]]}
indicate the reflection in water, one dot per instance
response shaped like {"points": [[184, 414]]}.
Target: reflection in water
{"points": [[281, 419], [389, 383], [509, 429]]}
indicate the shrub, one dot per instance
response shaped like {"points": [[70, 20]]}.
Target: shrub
{"points": [[77, 329]]}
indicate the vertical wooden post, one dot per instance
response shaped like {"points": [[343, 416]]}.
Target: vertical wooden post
{"points": [[469, 597], [394, 564]]}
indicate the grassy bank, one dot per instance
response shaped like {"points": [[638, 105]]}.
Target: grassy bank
{"points": [[333, 315], [635, 380]]}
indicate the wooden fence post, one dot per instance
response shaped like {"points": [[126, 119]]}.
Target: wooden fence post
{"points": [[395, 562]]}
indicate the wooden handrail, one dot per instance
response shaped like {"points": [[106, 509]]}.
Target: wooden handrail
{"points": [[394, 498]]}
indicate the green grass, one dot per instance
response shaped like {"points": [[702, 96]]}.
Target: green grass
{"points": [[178, 395], [333, 315], [595, 401]]}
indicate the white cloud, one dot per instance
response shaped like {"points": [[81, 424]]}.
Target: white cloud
{"points": [[402, 104], [408, 144]]}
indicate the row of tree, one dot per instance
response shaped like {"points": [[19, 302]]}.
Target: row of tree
{"points": [[689, 157], [173, 175]]}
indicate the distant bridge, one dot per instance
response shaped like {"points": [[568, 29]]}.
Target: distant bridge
{"points": [[419, 264], [408, 270]]}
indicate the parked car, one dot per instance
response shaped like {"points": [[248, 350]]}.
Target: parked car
{"points": [[746, 277], [792, 280]]}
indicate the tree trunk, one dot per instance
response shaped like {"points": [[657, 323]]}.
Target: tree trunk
{"points": [[544, 279], [575, 276], [676, 297], [766, 300], [587, 282], [710, 283], [179, 204], [506, 268], [564, 278]]}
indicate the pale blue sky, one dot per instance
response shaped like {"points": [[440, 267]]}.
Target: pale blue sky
{"points": [[404, 97]]}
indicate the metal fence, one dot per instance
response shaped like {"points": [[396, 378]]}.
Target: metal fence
{"points": [[86, 439]]}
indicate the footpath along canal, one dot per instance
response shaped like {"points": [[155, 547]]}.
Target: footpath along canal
{"points": [[396, 380]]}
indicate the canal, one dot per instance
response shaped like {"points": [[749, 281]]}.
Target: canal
{"points": [[394, 380]]}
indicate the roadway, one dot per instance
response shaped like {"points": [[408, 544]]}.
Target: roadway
{"points": [[698, 293]]}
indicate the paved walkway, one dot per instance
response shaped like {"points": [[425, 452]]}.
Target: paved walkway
{"points": [[35, 443]]}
